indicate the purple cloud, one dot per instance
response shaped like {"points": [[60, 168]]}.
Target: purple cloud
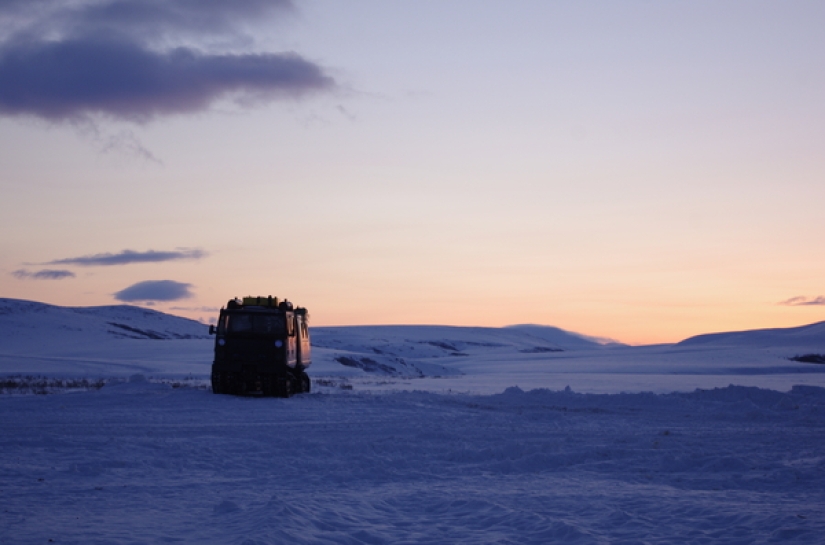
{"points": [[69, 79], [128, 257], [117, 58], [802, 301], [154, 290], [152, 17], [45, 274]]}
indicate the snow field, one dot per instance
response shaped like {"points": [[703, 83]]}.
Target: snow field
{"points": [[408, 437], [139, 462]]}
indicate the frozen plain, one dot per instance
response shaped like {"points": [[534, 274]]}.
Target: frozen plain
{"points": [[496, 450]]}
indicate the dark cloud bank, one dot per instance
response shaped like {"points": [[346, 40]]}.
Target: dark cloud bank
{"points": [[155, 290], [128, 257], [114, 57]]}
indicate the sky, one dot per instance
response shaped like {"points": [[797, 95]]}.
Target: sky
{"points": [[642, 171]]}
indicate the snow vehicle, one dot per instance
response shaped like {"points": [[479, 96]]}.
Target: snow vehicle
{"points": [[261, 348]]}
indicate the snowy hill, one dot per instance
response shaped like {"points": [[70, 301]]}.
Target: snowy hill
{"points": [[119, 341], [432, 350], [26, 321], [100, 341], [560, 337], [812, 335], [44, 338]]}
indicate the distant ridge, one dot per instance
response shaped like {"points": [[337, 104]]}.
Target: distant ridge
{"points": [[24, 322], [807, 335], [559, 336], [456, 339], [122, 340]]}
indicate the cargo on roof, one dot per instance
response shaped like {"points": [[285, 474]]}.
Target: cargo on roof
{"points": [[260, 301]]}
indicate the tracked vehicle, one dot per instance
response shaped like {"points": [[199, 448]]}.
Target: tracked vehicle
{"points": [[261, 348]]}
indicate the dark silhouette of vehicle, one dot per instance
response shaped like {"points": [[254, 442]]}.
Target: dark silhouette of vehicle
{"points": [[261, 348]]}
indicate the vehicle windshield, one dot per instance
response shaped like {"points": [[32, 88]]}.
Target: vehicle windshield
{"points": [[259, 324]]}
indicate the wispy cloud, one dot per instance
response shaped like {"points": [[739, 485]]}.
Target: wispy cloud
{"points": [[128, 257], [45, 274], [802, 301], [139, 59], [127, 143], [161, 18], [155, 290]]}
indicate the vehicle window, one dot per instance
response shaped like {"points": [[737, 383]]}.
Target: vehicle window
{"points": [[269, 325], [240, 323], [256, 323]]}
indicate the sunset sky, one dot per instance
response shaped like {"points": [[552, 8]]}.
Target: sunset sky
{"points": [[639, 170]]}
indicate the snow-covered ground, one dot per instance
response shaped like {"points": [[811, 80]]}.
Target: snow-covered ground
{"points": [[417, 434]]}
